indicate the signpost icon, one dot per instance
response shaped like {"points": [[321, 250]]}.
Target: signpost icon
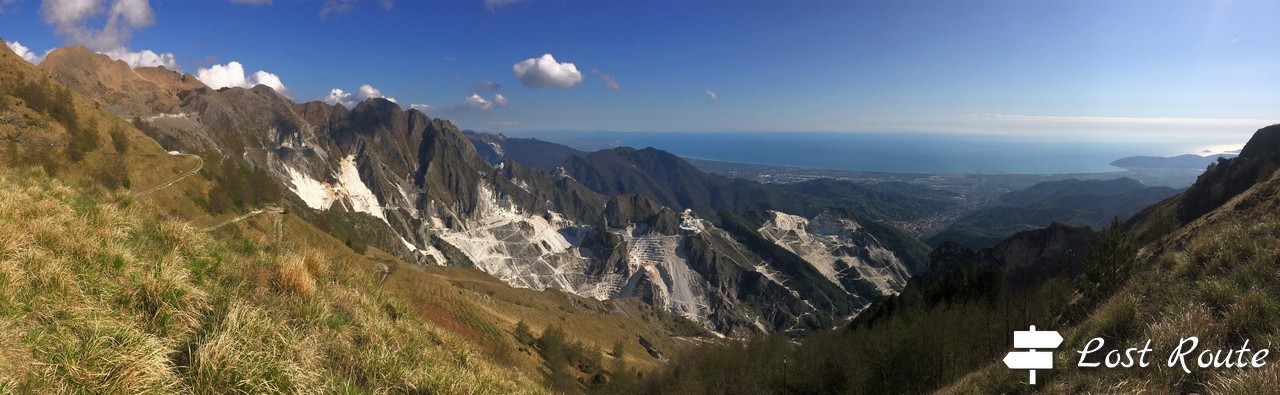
{"points": [[1032, 359]]}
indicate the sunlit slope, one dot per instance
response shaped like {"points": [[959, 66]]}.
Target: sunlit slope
{"points": [[112, 280], [1214, 278], [101, 296], [44, 124]]}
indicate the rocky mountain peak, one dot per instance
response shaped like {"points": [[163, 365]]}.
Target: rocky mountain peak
{"points": [[123, 90]]}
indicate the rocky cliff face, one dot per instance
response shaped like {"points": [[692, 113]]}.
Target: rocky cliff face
{"points": [[840, 249], [417, 188], [447, 205]]}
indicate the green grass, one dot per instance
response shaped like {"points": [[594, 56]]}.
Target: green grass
{"points": [[1215, 278], [99, 296]]}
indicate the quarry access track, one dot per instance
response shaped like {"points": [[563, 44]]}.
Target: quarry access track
{"points": [[184, 176]]}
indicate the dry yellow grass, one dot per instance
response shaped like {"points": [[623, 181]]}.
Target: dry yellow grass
{"points": [[104, 292], [295, 277], [1215, 278], [100, 295]]}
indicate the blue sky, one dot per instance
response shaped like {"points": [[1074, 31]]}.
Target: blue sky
{"points": [[1122, 70]]}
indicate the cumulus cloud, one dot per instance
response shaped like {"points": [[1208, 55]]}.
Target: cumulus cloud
{"points": [[545, 72], [264, 78], [609, 82], [479, 103], [492, 5], [337, 96], [24, 52], [367, 92], [71, 20], [712, 97], [232, 75], [425, 108], [143, 58], [74, 19]]}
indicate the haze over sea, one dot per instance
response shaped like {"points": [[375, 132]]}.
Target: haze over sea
{"points": [[891, 152]]}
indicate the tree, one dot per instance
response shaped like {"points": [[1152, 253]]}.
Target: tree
{"points": [[1109, 263], [618, 348], [119, 140], [522, 333], [113, 173]]}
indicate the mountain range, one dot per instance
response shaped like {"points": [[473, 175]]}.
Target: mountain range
{"points": [[1080, 202], [502, 232], [610, 224]]}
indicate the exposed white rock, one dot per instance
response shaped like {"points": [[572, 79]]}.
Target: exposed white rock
{"points": [[316, 194], [362, 199], [165, 115], [523, 250], [349, 189], [838, 248], [690, 223]]}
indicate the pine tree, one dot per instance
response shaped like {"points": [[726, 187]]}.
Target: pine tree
{"points": [[1109, 263]]}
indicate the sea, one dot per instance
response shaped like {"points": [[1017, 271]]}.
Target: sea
{"points": [[931, 153]]}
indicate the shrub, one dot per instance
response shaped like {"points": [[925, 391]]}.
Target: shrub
{"points": [[119, 140], [1109, 263]]}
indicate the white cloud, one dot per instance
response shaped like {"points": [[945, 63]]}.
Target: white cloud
{"points": [[712, 97], [425, 108], [252, 2], [495, 4], [264, 78], [337, 96], [479, 103], [609, 82], [232, 75], [72, 18], [23, 52], [545, 72], [336, 7], [144, 58], [367, 92]]}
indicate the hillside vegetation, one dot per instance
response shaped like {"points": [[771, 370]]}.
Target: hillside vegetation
{"points": [[1160, 277], [101, 297], [1214, 278], [1077, 202], [125, 269]]}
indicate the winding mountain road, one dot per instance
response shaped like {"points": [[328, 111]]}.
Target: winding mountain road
{"points": [[184, 176], [268, 209]]}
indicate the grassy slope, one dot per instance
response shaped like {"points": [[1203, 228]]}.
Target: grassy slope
{"points": [[101, 296], [1214, 278], [104, 292]]}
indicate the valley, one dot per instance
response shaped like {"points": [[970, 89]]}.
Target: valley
{"points": [[527, 197]]}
